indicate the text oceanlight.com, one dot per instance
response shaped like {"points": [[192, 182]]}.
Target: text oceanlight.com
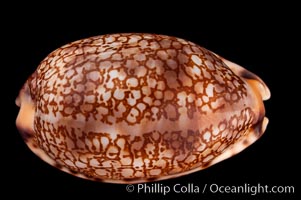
{"points": [[191, 188]]}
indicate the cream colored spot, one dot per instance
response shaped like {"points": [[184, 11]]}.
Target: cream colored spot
{"points": [[87, 107], [104, 142], [176, 45], [157, 102], [222, 126], [118, 94], [148, 100], [141, 106], [168, 95], [207, 136], [113, 74], [190, 159], [206, 152], [69, 73], [154, 110], [205, 99], [155, 135], [165, 43], [152, 82], [106, 96], [159, 67], [122, 39], [138, 162], [201, 147], [208, 158], [158, 94], [205, 108], [131, 64], [187, 50], [136, 94], [162, 54], [172, 53], [93, 75], [110, 85], [68, 99], [116, 56], [132, 82], [209, 90], [120, 110], [155, 172], [132, 115], [126, 161], [234, 97], [151, 63], [101, 172], [134, 39], [120, 142], [199, 87], [76, 99], [143, 44], [171, 78], [215, 104], [68, 110], [103, 110], [105, 64], [122, 75], [127, 172], [206, 74], [146, 90], [69, 162], [139, 57], [190, 139], [175, 144], [110, 39], [69, 58], [112, 152], [161, 85], [154, 45], [141, 71], [172, 63], [131, 101], [191, 98], [196, 71], [161, 163], [107, 164], [185, 80], [215, 131], [90, 50], [182, 58], [79, 51], [216, 146], [90, 99], [94, 162], [222, 147], [234, 122], [104, 55], [80, 164], [209, 65], [96, 143], [171, 111]]}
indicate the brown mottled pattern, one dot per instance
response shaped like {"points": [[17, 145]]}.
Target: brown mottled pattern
{"points": [[137, 106]]}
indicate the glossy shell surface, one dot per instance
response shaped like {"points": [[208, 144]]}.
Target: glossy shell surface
{"points": [[129, 108]]}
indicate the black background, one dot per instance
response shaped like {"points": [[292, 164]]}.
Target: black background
{"points": [[256, 43]]}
